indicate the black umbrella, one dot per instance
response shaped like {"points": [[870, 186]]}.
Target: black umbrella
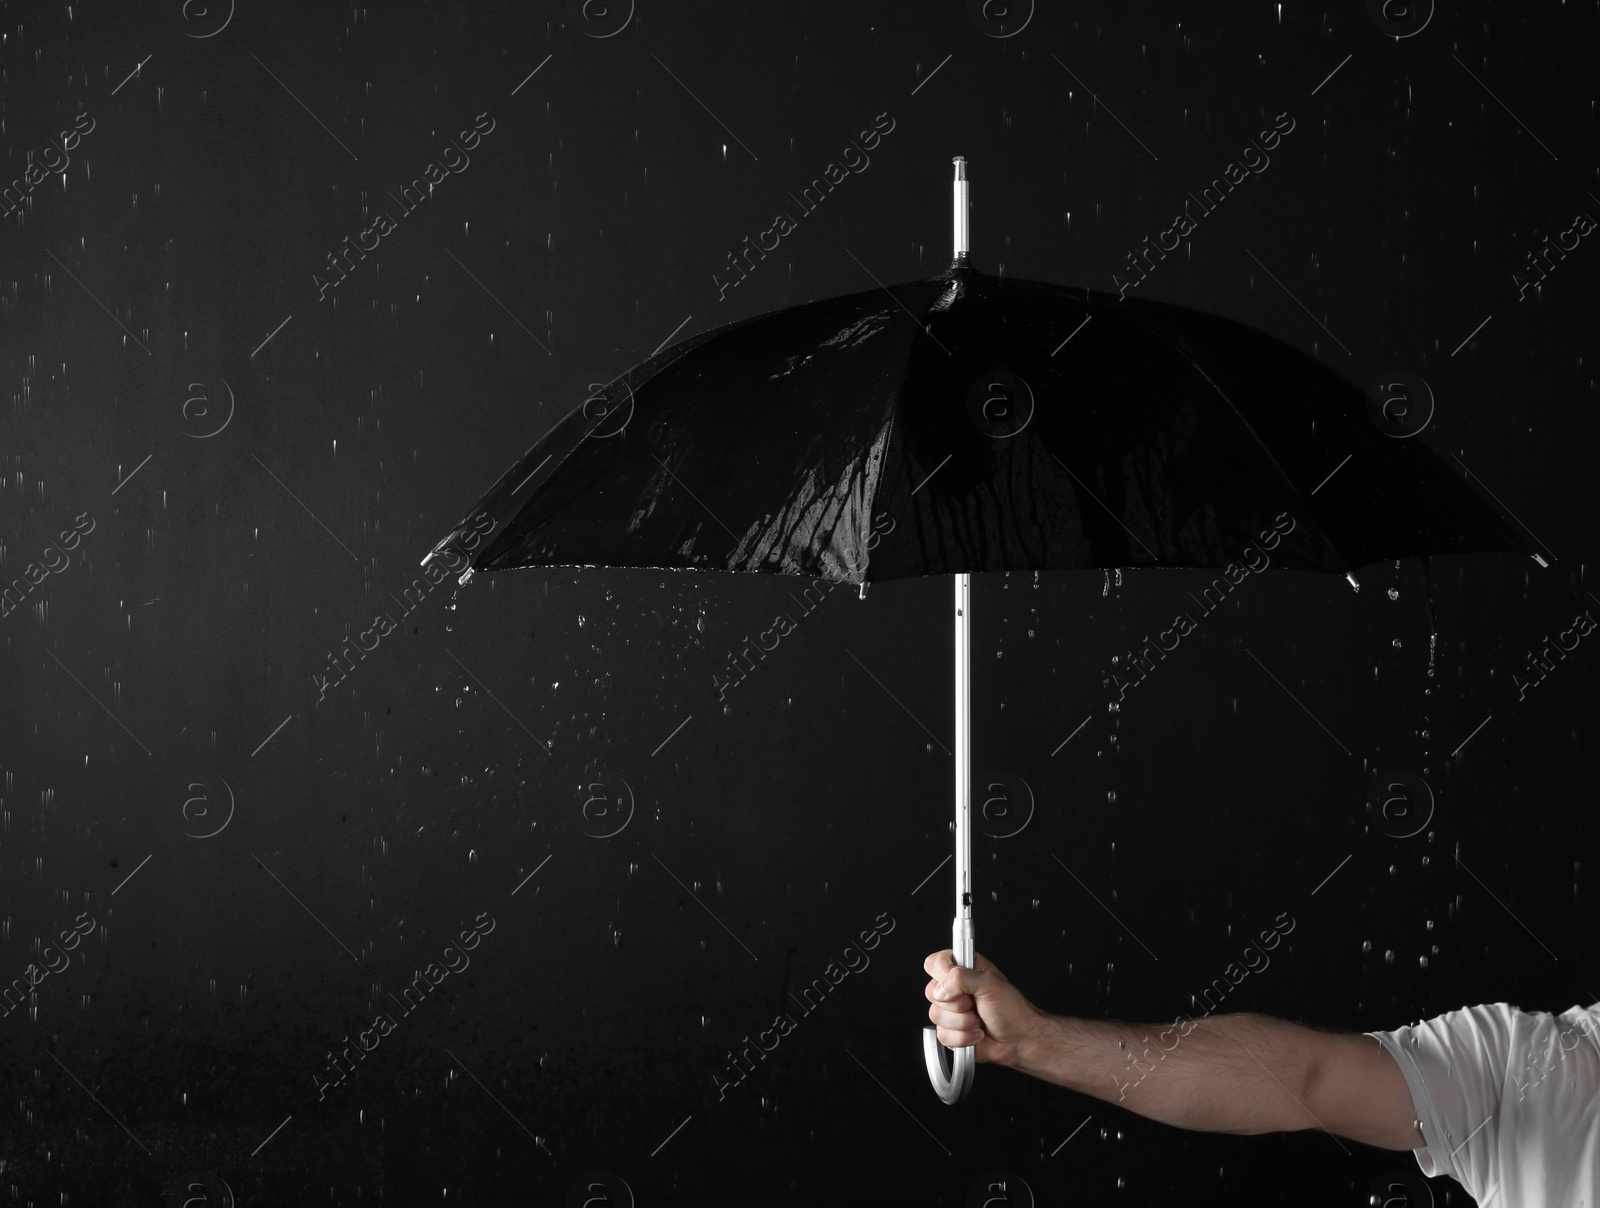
{"points": [[973, 423]]}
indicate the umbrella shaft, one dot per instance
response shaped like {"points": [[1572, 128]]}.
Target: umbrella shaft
{"points": [[963, 651]]}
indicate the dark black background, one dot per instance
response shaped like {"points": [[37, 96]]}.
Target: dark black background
{"points": [[368, 828]]}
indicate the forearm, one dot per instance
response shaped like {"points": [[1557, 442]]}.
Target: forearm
{"points": [[1240, 1074]]}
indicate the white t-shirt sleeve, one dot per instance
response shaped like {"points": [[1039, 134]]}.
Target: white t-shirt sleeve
{"points": [[1508, 1101]]}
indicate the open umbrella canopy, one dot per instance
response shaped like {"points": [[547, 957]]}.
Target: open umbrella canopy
{"points": [[1000, 424]]}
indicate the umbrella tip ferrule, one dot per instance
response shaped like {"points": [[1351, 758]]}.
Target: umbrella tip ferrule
{"points": [[959, 213]]}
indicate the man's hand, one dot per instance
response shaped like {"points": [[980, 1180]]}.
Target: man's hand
{"points": [[978, 1006]]}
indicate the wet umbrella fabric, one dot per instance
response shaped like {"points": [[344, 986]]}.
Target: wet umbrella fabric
{"points": [[985, 424], [1002, 424]]}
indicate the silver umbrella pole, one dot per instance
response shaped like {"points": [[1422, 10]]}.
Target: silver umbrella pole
{"points": [[954, 1084]]}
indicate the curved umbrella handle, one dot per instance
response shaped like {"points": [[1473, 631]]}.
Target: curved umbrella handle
{"points": [[951, 1088], [952, 1085]]}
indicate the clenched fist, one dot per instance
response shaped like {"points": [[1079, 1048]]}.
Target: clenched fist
{"points": [[979, 1006]]}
